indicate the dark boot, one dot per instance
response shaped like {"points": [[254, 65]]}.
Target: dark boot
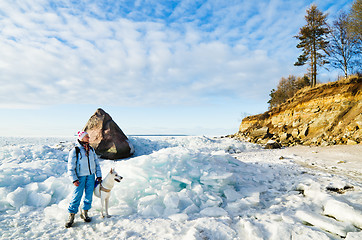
{"points": [[70, 221], [84, 216]]}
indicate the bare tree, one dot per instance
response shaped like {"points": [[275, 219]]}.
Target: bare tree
{"points": [[355, 20], [343, 48], [287, 87]]}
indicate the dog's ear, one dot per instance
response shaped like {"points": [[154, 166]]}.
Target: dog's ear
{"points": [[111, 170]]}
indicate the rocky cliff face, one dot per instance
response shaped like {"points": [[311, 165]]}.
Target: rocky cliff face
{"points": [[327, 114]]}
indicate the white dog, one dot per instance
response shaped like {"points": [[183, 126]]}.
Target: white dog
{"points": [[103, 189]]}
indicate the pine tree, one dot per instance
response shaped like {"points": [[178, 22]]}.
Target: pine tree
{"points": [[313, 41]]}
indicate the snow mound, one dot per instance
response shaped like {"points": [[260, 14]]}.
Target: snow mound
{"points": [[325, 223], [180, 180], [343, 212]]}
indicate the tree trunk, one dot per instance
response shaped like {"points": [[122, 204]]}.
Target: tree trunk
{"points": [[314, 62], [345, 65], [344, 55]]}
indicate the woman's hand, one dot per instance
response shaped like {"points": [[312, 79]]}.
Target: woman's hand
{"points": [[76, 183]]}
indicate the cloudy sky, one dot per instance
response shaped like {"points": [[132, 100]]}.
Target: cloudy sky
{"points": [[156, 66]]}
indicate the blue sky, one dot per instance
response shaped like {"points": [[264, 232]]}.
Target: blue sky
{"points": [[157, 67]]}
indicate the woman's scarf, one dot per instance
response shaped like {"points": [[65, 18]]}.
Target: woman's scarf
{"points": [[86, 147]]}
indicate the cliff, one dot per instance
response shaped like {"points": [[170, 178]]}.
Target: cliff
{"points": [[327, 114]]}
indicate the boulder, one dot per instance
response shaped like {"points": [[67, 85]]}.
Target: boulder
{"points": [[304, 132], [284, 136], [260, 132], [295, 133], [351, 142], [107, 139], [271, 144]]}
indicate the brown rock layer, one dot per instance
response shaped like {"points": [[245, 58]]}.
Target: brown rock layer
{"points": [[327, 114]]}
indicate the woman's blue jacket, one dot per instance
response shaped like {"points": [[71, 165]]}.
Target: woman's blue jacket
{"points": [[83, 165]]}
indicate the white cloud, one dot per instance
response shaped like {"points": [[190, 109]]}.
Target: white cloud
{"points": [[56, 56]]}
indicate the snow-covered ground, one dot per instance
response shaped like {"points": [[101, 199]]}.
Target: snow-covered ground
{"points": [[184, 188]]}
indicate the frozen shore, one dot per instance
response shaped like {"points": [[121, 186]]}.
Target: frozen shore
{"points": [[343, 160], [189, 188]]}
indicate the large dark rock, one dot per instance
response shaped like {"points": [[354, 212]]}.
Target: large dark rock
{"points": [[107, 139]]}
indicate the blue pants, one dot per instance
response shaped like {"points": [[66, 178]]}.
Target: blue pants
{"points": [[86, 185]]}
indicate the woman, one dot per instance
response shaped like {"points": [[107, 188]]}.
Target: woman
{"points": [[83, 165]]}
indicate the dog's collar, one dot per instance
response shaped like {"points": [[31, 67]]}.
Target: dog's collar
{"points": [[104, 189]]}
